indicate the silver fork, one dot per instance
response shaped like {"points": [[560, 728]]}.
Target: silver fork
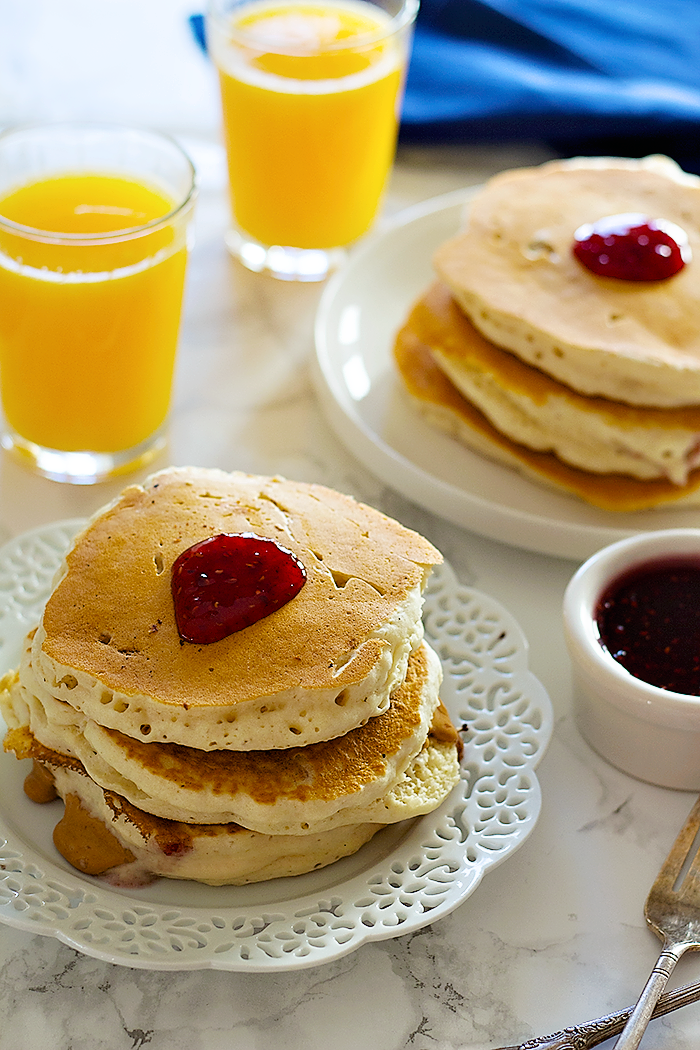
{"points": [[674, 914], [590, 1033], [672, 910]]}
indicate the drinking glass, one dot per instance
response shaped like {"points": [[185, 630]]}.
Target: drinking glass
{"points": [[94, 229], [311, 93]]}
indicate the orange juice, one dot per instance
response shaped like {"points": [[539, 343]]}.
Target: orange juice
{"points": [[310, 92], [90, 310]]}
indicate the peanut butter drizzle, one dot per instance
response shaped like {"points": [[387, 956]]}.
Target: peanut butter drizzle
{"points": [[86, 842], [39, 784], [442, 729]]}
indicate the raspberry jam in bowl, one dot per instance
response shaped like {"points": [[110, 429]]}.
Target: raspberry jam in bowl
{"points": [[632, 628]]}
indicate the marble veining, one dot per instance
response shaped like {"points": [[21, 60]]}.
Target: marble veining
{"points": [[553, 936]]}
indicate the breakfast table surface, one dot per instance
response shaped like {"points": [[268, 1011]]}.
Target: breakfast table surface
{"points": [[551, 937]]}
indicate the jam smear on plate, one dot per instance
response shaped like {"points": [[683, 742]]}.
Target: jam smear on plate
{"points": [[649, 621], [227, 582], [632, 247]]}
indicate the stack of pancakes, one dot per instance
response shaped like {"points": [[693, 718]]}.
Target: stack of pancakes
{"points": [[586, 383], [276, 750]]}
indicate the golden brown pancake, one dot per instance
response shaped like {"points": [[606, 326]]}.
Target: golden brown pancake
{"points": [[300, 790], [532, 409], [102, 833], [513, 272], [323, 664], [445, 407]]}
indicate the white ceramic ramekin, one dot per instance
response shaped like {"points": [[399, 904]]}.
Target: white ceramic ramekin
{"points": [[651, 733]]}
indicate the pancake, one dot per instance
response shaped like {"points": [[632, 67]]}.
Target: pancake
{"points": [[300, 791], [513, 273], [272, 751], [101, 833], [323, 664], [534, 410], [443, 406]]}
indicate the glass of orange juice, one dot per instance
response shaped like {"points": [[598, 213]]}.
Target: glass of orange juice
{"points": [[94, 230], [311, 92]]}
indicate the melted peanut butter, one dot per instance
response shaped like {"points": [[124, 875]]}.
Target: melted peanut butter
{"points": [[86, 842], [39, 784], [442, 729]]}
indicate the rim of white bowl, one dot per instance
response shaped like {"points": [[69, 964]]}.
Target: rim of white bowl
{"points": [[614, 682]]}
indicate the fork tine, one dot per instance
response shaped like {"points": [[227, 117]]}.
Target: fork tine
{"points": [[676, 858], [693, 872], [675, 916]]}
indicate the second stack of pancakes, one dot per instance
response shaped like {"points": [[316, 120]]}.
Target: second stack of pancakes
{"points": [[588, 384]]}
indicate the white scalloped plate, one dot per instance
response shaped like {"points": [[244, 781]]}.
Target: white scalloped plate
{"points": [[408, 876]]}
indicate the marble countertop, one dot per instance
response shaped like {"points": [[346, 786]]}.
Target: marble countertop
{"points": [[553, 936]]}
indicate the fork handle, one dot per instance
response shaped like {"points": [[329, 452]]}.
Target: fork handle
{"points": [[632, 1033]]}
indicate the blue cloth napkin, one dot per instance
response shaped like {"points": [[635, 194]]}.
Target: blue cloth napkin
{"points": [[573, 72]]}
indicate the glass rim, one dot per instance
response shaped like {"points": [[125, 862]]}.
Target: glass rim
{"points": [[36, 233], [404, 17]]}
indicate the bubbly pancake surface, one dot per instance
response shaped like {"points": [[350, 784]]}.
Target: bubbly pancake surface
{"points": [[299, 790], [321, 665], [513, 272]]}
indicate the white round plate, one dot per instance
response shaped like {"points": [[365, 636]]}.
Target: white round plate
{"points": [[408, 876], [360, 312]]}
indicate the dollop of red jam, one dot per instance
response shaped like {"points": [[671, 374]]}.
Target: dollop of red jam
{"points": [[649, 621], [632, 247], [230, 581]]}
